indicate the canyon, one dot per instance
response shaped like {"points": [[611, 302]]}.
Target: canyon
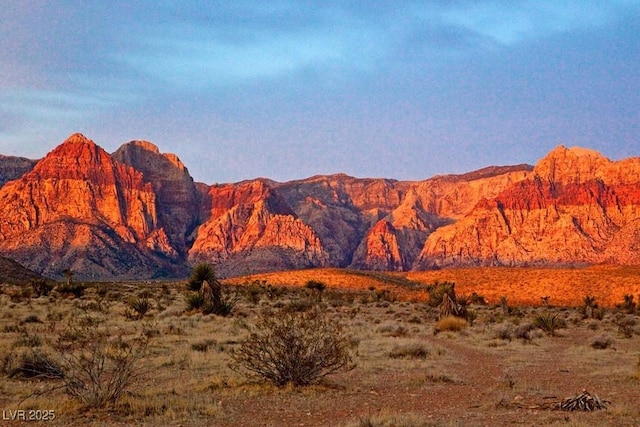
{"points": [[138, 214]]}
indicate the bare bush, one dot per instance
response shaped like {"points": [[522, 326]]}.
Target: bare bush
{"points": [[98, 366], [294, 348]]}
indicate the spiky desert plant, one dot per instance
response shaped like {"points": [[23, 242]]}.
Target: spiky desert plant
{"points": [[201, 272], [438, 290], [140, 305], [204, 281], [548, 322], [628, 304]]}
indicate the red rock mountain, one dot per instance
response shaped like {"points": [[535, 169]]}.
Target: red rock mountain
{"points": [[575, 207], [177, 197], [80, 209], [137, 213]]}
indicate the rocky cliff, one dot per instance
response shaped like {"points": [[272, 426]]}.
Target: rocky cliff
{"points": [[249, 227], [177, 198], [137, 213], [576, 207], [80, 209]]}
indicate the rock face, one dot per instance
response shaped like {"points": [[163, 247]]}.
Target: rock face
{"points": [[576, 207], [137, 213], [80, 209], [177, 198], [14, 167], [249, 227]]}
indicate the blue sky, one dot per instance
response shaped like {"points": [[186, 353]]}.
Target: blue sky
{"points": [[288, 89]]}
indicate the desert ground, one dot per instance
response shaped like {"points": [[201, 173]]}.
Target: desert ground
{"points": [[513, 361]]}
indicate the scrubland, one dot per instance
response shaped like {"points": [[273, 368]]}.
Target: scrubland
{"points": [[510, 361]]}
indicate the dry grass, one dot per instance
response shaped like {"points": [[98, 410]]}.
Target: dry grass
{"points": [[451, 324], [500, 370]]}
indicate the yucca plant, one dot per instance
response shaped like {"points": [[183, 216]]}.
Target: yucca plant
{"points": [[549, 323], [140, 305]]}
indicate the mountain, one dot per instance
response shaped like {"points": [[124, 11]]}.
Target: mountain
{"points": [[14, 167], [137, 213], [249, 227], [80, 209], [576, 206], [176, 194]]}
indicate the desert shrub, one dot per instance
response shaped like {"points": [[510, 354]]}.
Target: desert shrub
{"points": [[41, 287], [504, 332], [71, 288], [26, 339], [316, 287], [549, 323], [32, 318], [30, 364], [450, 323], [628, 304], [392, 420], [393, 330], [194, 301], [203, 346], [293, 348], [504, 304], [478, 299], [626, 325], [298, 305], [409, 351], [254, 293], [98, 366], [524, 331], [601, 342]]}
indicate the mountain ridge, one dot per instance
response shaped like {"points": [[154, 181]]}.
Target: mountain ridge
{"points": [[138, 213]]}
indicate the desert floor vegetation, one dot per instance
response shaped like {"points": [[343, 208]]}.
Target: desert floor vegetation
{"points": [[134, 353]]}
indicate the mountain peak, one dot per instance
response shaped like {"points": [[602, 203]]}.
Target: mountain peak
{"points": [[145, 145], [571, 165], [78, 138]]}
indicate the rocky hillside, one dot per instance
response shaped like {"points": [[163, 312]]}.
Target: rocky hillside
{"points": [[137, 213], [14, 167], [80, 209], [13, 273], [576, 207]]}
